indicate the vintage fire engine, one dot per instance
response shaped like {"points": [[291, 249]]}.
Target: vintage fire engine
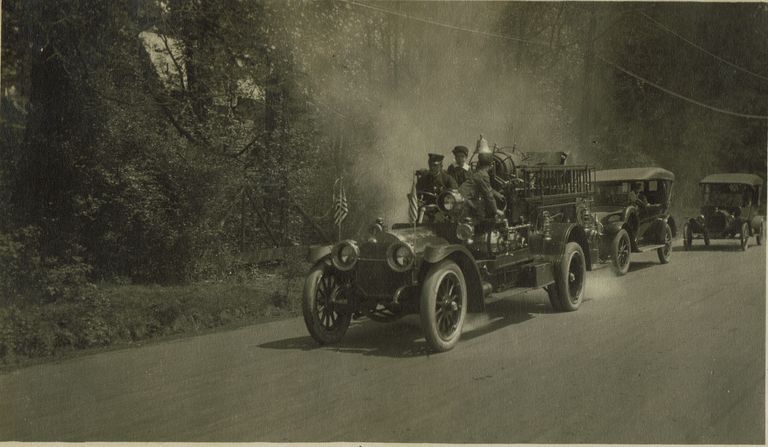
{"points": [[451, 262]]}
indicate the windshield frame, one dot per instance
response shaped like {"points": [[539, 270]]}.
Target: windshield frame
{"points": [[726, 195], [656, 191]]}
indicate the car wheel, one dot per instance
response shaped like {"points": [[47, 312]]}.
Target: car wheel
{"points": [[570, 276], [554, 298], [443, 305], [620, 251], [706, 239], [744, 236], [323, 288], [687, 237], [665, 251], [760, 236]]}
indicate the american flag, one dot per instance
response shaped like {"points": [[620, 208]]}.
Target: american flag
{"points": [[413, 203], [340, 207]]}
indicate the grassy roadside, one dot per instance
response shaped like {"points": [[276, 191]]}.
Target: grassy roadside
{"points": [[113, 316]]}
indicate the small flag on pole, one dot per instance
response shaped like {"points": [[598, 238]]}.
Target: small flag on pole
{"points": [[413, 203], [340, 207]]}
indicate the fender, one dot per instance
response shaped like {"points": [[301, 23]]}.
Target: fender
{"points": [[317, 252], [630, 217], [562, 233], [655, 231], [756, 223], [696, 225], [612, 228], [466, 261], [672, 225]]}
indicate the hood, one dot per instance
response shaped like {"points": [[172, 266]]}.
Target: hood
{"points": [[602, 212], [417, 238]]}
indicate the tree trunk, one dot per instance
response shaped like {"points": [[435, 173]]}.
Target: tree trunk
{"points": [[587, 108]]}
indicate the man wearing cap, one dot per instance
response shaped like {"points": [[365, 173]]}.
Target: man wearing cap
{"points": [[436, 179], [460, 171], [478, 191]]}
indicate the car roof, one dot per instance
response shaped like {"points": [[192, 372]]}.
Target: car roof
{"points": [[616, 175], [745, 179]]}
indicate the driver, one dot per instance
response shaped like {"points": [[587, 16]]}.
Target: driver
{"points": [[478, 191], [435, 180], [636, 196]]}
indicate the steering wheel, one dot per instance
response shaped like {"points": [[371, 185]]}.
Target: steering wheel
{"points": [[427, 197]]}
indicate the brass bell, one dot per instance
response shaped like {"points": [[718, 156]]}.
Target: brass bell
{"points": [[482, 146]]}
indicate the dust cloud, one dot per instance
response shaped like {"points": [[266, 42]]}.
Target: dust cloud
{"points": [[421, 88]]}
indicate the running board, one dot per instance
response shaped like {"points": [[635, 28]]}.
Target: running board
{"points": [[497, 296], [644, 248]]}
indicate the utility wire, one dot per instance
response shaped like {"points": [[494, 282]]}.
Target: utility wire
{"points": [[445, 25], [670, 31], [517, 39], [684, 98]]}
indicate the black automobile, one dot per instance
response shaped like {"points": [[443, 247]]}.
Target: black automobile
{"points": [[631, 207], [730, 209], [450, 263]]}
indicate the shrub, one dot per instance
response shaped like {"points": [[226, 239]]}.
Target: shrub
{"points": [[27, 277], [21, 269]]}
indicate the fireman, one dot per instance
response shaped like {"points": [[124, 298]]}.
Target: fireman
{"points": [[435, 180], [460, 170], [480, 196]]}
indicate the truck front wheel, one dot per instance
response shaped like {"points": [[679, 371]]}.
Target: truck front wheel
{"points": [[443, 305], [570, 273], [323, 293]]}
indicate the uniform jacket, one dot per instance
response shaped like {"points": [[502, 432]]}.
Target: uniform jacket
{"points": [[459, 173], [477, 189], [435, 184]]}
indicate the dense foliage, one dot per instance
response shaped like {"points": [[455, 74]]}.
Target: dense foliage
{"points": [[149, 140]]}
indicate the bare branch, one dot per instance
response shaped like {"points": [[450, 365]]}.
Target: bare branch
{"points": [[173, 59]]}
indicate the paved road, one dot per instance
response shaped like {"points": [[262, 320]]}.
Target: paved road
{"points": [[667, 354]]}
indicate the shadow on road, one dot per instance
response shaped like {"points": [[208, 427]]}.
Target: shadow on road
{"points": [[724, 247], [404, 338], [637, 266]]}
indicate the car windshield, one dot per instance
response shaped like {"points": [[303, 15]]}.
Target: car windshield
{"points": [[611, 193], [724, 194], [618, 193]]}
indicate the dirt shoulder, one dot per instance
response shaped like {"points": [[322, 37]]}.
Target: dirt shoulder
{"points": [[123, 316]]}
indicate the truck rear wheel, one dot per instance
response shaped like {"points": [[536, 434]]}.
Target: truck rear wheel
{"points": [[570, 274], [325, 322], [443, 305], [620, 252]]}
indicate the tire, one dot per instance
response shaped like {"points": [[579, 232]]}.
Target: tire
{"points": [[687, 237], [744, 236], [443, 305], [324, 323], [620, 252], [570, 276], [666, 251], [760, 236], [554, 298]]}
